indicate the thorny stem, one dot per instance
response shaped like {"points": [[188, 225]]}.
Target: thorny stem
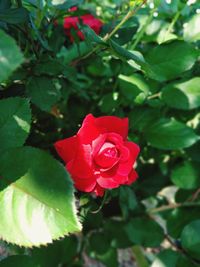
{"points": [[105, 198], [143, 29], [195, 195], [169, 30], [154, 96], [173, 206], [118, 26], [181, 250], [124, 20]]}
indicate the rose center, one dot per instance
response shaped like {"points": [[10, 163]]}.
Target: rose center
{"points": [[107, 156], [110, 152]]}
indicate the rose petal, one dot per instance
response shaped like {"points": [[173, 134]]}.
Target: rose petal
{"points": [[115, 138], [124, 168], [85, 185], [124, 153], [108, 183], [132, 177], [82, 166], [92, 22], [70, 22], [134, 149], [98, 143], [98, 190], [66, 148], [113, 124], [112, 173], [88, 131]]}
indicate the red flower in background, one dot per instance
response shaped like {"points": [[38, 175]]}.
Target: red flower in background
{"points": [[99, 156], [88, 19]]}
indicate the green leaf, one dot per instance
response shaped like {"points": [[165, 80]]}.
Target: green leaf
{"points": [[170, 134], [191, 31], [193, 152], [183, 95], [131, 56], [99, 248], [142, 117], [49, 67], [145, 232], [127, 200], [184, 261], [190, 239], [127, 88], [168, 61], [39, 207], [108, 103], [10, 56], [99, 243], [65, 4], [14, 15], [139, 256], [60, 252], [114, 231], [166, 258], [109, 258], [186, 175], [92, 36], [18, 260], [133, 88], [43, 92], [179, 218], [133, 85], [74, 52], [15, 119]]}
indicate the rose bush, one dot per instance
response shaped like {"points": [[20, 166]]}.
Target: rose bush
{"points": [[99, 156], [143, 66], [87, 19]]}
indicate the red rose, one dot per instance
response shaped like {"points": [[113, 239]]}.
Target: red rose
{"points": [[88, 19], [99, 156]]}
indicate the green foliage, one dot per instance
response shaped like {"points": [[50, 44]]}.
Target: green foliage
{"points": [[145, 232], [170, 134], [14, 15], [15, 120], [11, 57], [43, 92], [191, 31], [166, 258], [190, 238], [181, 173], [62, 251], [38, 207], [18, 260], [184, 95], [169, 61], [145, 68]]}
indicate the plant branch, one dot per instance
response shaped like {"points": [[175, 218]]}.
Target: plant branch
{"points": [[170, 28], [195, 195], [105, 199], [143, 29], [124, 20], [117, 27], [173, 206], [154, 96]]}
